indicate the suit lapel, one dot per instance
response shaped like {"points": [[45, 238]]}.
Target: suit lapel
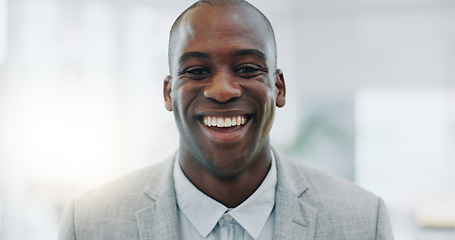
{"points": [[159, 220], [294, 218]]}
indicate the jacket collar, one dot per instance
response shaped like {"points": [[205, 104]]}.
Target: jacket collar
{"points": [[294, 218], [159, 221]]}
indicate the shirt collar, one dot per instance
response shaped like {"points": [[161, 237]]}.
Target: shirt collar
{"points": [[204, 212], [254, 211]]}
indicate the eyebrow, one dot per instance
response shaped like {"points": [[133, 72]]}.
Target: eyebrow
{"points": [[188, 55], [238, 53], [254, 52]]}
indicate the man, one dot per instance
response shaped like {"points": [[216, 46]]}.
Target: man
{"points": [[225, 181]]}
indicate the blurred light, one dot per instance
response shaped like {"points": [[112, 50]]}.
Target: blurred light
{"points": [[437, 212], [3, 30], [405, 138], [61, 138]]}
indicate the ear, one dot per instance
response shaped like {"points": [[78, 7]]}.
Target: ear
{"points": [[167, 89], [280, 88]]}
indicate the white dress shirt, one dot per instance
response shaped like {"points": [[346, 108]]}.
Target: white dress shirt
{"points": [[201, 217]]}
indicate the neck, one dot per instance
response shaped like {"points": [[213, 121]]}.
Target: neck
{"points": [[229, 191]]}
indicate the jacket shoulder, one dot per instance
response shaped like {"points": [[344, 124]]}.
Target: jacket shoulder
{"points": [[325, 187], [127, 186], [343, 208], [110, 210]]}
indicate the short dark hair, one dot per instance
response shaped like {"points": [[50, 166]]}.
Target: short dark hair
{"points": [[219, 3]]}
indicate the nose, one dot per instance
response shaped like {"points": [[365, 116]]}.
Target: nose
{"points": [[222, 88]]}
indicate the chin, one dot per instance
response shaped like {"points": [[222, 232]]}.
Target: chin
{"points": [[225, 166]]}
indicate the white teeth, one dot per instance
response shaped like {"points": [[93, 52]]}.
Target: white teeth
{"points": [[220, 122], [210, 121], [227, 122]]}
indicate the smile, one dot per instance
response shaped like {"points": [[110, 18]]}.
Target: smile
{"points": [[225, 129], [213, 121]]}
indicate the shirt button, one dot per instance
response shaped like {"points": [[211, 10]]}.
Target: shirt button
{"points": [[228, 218]]}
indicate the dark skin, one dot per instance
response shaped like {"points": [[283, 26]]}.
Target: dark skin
{"points": [[224, 67]]}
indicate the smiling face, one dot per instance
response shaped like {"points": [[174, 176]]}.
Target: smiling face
{"points": [[223, 89]]}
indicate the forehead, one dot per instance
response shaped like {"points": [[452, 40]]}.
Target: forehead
{"points": [[207, 28]]}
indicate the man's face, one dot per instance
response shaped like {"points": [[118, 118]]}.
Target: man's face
{"points": [[223, 87]]}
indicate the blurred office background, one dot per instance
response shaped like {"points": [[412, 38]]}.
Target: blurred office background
{"points": [[371, 98]]}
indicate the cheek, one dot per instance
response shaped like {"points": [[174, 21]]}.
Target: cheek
{"points": [[263, 93], [267, 97], [176, 102], [183, 95]]}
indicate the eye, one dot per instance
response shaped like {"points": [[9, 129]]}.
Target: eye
{"points": [[195, 73], [250, 71], [247, 70]]}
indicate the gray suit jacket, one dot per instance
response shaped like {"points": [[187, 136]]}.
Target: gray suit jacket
{"points": [[309, 205]]}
